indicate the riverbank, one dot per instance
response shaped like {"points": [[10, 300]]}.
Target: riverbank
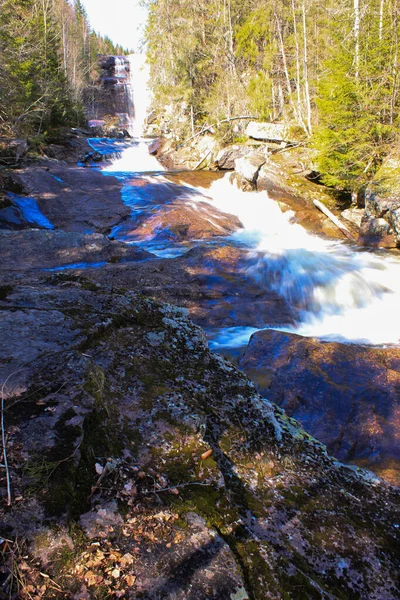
{"points": [[125, 433], [286, 169]]}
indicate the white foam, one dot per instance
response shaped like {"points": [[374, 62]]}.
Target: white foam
{"points": [[337, 292]]}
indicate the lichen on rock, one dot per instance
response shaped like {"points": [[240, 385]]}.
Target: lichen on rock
{"points": [[202, 482]]}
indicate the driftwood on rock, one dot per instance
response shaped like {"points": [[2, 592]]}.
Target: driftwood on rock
{"points": [[202, 160], [334, 219]]}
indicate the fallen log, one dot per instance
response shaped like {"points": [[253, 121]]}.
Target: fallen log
{"points": [[334, 219], [211, 127]]}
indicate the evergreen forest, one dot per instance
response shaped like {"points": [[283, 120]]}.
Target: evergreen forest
{"points": [[49, 65], [329, 68]]}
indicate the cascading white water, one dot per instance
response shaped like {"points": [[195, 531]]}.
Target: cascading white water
{"points": [[139, 79], [136, 158], [336, 291]]}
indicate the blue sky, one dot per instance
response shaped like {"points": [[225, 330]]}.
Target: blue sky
{"points": [[121, 20]]}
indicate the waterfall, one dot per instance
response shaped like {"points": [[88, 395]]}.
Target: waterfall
{"points": [[335, 291], [139, 78], [136, 158]]}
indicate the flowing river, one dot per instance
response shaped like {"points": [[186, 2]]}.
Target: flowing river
{"points": [[333, 291]]}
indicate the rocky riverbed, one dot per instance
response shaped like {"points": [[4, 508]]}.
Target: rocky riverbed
{"points": [[141, 464]]}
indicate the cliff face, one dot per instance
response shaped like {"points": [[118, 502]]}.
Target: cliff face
{"points": [[143, 465], [114, 99]]}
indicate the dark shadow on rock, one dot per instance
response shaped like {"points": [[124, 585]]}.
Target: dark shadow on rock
{"points": [[182, 573]]}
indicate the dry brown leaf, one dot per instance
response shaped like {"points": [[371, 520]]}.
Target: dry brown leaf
{"points": [[127, 559], [116, 573], [115, 556], [206, 455], [91, 578], [130, 579]]}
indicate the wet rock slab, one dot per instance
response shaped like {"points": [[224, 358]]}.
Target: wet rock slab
{"points": [[209, 281], [182, 220], [345, 395], [74, 198], [36, 249], [163, 471]]}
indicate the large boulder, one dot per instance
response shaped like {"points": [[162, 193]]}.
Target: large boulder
{"points": [[353, 215], [346, 395], [381, 224], [248, 167], [227, 156], [143, 465], [274, 132], [11, 151]]}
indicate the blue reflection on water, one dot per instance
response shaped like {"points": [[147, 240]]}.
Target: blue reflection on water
{"points": [[57, 178], [230, 337], [81, 265], [30, 210]]}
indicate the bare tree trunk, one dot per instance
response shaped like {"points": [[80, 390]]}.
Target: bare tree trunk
{"points": [[306, 84], [357, 37], [298, 83], [64, 48], [395, 62], [381, 9], [285, 68], [273, 100], [192, 118]]}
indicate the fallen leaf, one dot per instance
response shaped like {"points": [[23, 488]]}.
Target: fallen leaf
{"points": [[91, 578], [130, 579], [206, 455], [127, 559], [116, 573]]}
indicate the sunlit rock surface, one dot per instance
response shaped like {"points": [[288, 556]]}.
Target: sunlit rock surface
{"points": [[346, 396], [381, 223], [269, 131], [74, 199]]}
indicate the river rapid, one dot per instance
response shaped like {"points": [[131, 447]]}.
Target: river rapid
{"points": [[343, 384], [335, 290]]}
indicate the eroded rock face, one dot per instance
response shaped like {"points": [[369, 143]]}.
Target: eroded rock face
{"points": [[347, 396], [11, 151], [227, 156], [113, 97], [185, 481], [249, 167]]}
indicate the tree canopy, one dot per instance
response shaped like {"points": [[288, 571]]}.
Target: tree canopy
{"points": [[48, 60], [331, 68]]}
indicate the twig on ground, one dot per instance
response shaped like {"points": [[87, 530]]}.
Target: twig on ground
{"points": [[4, 440]]}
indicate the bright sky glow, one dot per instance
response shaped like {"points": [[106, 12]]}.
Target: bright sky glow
{"points": [[122, 20]]}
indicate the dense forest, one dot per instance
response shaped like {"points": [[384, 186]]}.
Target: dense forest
{"points": [[329, 68], [48, 66]]}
